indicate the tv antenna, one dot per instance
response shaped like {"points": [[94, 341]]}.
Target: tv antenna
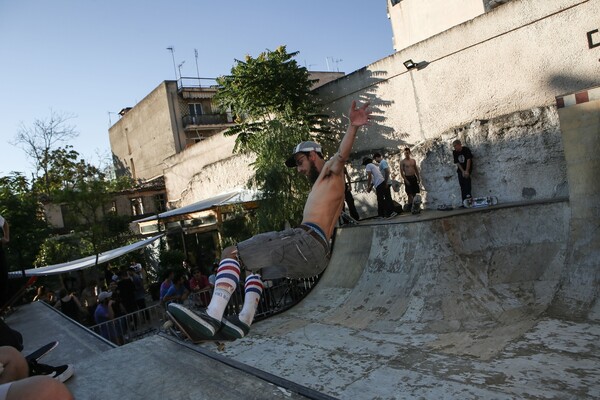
{"points": [[172, 50], [335, 61], [197, 70], [179, 68]]}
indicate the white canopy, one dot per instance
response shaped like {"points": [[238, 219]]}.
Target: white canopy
{"points": [[85, 262], [234, 197]]}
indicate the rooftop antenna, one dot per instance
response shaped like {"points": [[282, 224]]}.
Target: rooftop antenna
{"points": [[333, 61], [172, 50], [197, 70], [179, 68], [336, 62]]}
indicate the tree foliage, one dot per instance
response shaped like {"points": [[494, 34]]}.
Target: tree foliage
{"points": [[28, 227], [274, 110]]}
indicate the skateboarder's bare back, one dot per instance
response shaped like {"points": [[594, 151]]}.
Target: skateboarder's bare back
{"points": [[294, 253]]}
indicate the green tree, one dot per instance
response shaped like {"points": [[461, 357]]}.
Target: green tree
{"points": [[24, 213], [274, 110], [85, 193]]}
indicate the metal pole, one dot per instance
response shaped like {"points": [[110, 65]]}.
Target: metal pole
{"points": [[172, 50]]}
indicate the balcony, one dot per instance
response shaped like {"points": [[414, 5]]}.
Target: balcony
{"points": [[204, 120]]}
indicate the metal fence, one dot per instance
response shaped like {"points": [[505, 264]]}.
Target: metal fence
{"points": [[278, 295], [133, 326]]}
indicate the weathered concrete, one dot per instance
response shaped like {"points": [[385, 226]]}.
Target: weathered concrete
{"points": [[155, 368], [450, 307], [439, 305], [580, 124]]}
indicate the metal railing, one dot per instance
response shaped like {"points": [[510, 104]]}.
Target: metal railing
{"points": [[204, 119], [278, 295], [133, 326]]}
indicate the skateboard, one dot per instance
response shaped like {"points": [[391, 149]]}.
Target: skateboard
{"points": [[41, 352], [416, 204], [175, 328], [476, 202]]}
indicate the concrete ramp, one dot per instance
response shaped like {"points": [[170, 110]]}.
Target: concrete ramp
{"points": [[451, 307]]}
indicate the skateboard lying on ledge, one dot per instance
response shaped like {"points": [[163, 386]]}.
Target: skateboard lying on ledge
{"points": [[476, 202], [177, 330], [41, 352]]}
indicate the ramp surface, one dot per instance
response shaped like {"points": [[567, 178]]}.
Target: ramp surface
{"points": [[443, 308]]}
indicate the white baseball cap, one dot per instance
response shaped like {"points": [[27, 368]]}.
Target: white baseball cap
{"points": [[303, 147], [104, 295]]}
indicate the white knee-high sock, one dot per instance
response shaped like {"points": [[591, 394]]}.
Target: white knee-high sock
{"points": [[228, 276], [253, 290]]}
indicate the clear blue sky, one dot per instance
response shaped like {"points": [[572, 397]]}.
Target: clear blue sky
{"points": [[88, 58]]}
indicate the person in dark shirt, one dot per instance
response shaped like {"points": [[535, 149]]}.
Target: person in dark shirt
{"points": [[463, 158], [126, 289]]}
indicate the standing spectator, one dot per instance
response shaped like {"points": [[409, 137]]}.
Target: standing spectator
{"points": [[140, 293], [177, 292], [3, 264], [348, 196], [463, 158], [375, 180], [166, 284], [126, 290], [89, 297], [410, 173], [200, 287], [139, 269], [41, 293], [69, 305], [384, 168], [104, 313]]}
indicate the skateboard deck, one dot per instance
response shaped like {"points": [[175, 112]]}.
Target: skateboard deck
{"points": [[41, 352], [219, 340], [416, 205], [476, 202]]}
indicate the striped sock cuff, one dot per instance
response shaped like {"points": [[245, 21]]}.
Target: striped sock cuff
{"points": [[254, 284], [228, 272]]}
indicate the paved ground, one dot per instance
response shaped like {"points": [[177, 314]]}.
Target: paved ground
{"points": [[440, 305]]}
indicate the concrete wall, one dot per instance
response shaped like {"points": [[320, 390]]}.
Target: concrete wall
{"points": [[578, 294], [204, 170], [492, 83], [416, 20], [148, 134]]}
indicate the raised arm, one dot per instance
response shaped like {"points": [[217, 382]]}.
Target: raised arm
{"points": [[358, 117]]}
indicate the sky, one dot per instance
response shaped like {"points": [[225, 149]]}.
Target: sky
{"points": [[89, 59]]}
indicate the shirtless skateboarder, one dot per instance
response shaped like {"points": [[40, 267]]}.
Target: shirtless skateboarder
{"points": [[410, 174], [299, 252]]}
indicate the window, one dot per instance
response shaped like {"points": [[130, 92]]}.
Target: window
{"points": [[195, 108], [137, 207], [161, 204]]}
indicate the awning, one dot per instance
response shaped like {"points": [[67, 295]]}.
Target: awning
{"points": [[234, 197], [85, 262]]}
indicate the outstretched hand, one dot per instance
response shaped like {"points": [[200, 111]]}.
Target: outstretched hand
{"points": [[359, 116]]}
